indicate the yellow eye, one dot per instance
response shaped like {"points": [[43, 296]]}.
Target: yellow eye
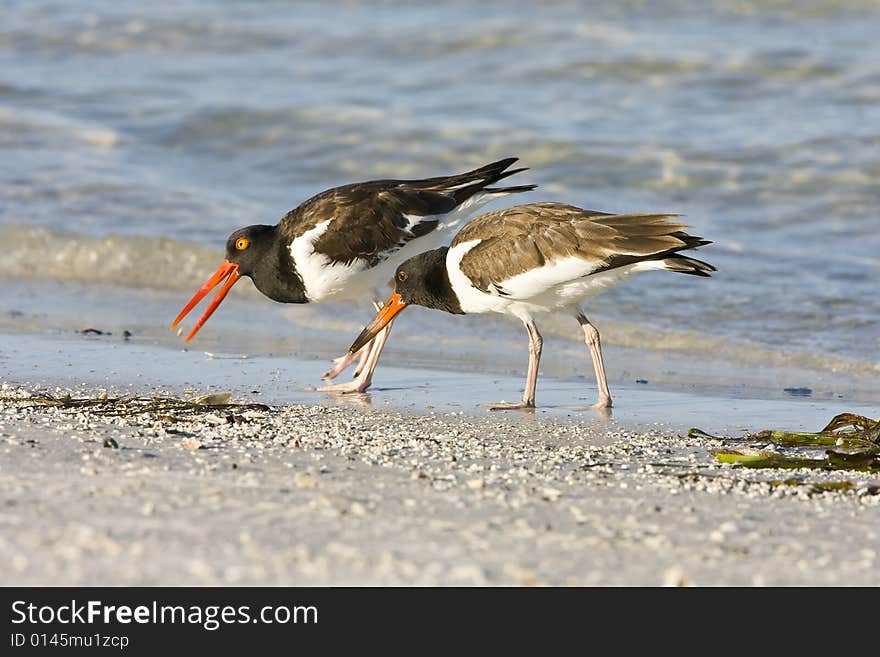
{"points": [[242, 243], [402, 276]]}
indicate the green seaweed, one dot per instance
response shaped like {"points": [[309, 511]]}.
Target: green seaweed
{"points": [[765, 460], [819, 486], [699, 433], [845, 426], [857, 422], [811, 486], [867, 462], [847, 445], [129, 406], [852, 442], [794, 439], [839, 461]]}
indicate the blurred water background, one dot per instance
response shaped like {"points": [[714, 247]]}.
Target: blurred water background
{"points": [[134, 137]]}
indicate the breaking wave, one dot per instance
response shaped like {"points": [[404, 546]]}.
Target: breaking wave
{"points": [[134, 261]]}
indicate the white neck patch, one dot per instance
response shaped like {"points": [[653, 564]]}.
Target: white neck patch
{"points": [[470, 298], [323, 279]]}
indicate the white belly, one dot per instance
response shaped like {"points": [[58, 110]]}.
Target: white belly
{"points": [[555, 286]]}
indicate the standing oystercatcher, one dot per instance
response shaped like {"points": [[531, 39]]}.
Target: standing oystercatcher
{"points": [[539, 258], [346, 242]]}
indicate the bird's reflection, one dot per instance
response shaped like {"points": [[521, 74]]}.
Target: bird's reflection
{"points": [[352, 399]]}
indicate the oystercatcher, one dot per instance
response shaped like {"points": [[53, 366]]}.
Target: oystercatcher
{"points": [[539, 258], [346, 242]]}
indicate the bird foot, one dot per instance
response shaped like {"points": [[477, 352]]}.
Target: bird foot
{"points": [[340, 365], [604, 402], [507, 406], [348, 386]]}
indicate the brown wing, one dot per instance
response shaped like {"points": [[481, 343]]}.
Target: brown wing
{"points": [[371, 220], [521, 238]]}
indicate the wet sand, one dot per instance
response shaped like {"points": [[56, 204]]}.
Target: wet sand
{"points": [[400, 486], [138, 366]]}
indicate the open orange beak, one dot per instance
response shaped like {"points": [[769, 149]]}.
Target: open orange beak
{"points": [[229, 271], [391, 308]]}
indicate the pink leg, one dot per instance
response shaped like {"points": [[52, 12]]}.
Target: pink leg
{"points": [[342, 363], [536, 343], [365, 356], [365, 376], [591, 337]]}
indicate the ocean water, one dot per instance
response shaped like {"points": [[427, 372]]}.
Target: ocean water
{"points": [[134, 137]]}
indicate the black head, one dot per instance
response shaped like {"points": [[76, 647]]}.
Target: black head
{"points": [[265, 258], [254, 252], [421, 280], [424, 281], [246, 247]]}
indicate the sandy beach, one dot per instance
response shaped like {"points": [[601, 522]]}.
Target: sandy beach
{"points": [[357, 491]]}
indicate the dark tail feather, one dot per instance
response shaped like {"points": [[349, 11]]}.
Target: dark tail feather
{"points": [[489, 173], [690, 241], [509, 190], [686, 265], [505, 174], [464, 185], [464, 193], [486, 174]]}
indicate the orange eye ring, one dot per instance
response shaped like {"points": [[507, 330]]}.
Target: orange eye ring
{"points": [[402, 276], [242, 243]]}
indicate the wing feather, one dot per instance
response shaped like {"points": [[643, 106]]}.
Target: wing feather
{"points": [[371, 220], [564, 243]]}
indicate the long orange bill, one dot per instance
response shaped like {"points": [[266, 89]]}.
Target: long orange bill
{"points": [[229, 271], [393, 306]]}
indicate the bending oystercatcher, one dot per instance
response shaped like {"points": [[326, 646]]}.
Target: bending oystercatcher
{"points": [[539, 258], [346, 242]]}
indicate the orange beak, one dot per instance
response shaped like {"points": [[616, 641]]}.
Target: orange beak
{"points": [[229, 271], [391, 308]]}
